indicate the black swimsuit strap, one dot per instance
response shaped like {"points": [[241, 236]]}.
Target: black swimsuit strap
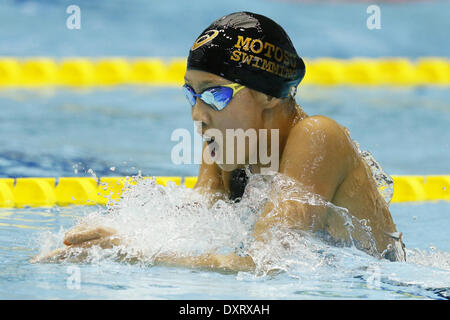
{"points": [[238, 182]]}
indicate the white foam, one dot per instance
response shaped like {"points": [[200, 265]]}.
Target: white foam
{"points": [[152, 219]]}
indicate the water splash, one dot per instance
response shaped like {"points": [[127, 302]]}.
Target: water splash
{"points": [[153, 220], [430, 258], [384, 181]]}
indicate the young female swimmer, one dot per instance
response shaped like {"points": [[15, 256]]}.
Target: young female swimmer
{"points": [[242, 73]]}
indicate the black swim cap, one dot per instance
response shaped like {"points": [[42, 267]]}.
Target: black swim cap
{"points": [[249, 49]]}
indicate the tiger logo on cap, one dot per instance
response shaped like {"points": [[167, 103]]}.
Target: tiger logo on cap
{"points": [[207, 37]]}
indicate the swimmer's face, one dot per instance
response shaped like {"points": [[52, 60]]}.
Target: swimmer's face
{"points": [[244, 111]]}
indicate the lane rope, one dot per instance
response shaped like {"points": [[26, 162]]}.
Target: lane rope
{"points": [[80, 71], [45, 192]]}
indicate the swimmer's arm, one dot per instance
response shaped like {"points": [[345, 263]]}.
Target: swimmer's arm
{"points": [[315, 156], [216, 262], [82, 237]]}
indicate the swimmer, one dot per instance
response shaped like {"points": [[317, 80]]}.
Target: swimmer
{"points": [[242, 73]]}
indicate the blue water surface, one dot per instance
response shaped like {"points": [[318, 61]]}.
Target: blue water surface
{"points": [[168, 28], [125, 130], [425, 277], [65, 132]]}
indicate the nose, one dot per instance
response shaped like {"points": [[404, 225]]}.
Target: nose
{"points": [[200, 113]]}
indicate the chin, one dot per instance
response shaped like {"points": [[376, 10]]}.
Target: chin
{"points": [[228, 167]]}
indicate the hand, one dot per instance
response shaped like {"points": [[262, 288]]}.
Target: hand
{"points": [[82, 234], [77, 240]]}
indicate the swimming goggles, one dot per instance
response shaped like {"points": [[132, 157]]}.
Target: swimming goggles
{"points": [[216, 97]]}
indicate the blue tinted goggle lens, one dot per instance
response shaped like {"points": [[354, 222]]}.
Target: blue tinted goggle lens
{"points": [[190, 94], [216, 97]]}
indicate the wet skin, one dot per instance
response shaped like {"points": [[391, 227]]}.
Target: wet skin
{"points": [[315, 151]]}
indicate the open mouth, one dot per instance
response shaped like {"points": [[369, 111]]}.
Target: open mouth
{"points": [[212, 146]]}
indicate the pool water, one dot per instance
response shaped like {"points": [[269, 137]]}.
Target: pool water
{"points": [[67, 132], [118, 131], [312, 270]]}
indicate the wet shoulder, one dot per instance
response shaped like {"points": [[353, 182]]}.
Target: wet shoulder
{"points": [[321, 126], [324, 138], [318, 121]]}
